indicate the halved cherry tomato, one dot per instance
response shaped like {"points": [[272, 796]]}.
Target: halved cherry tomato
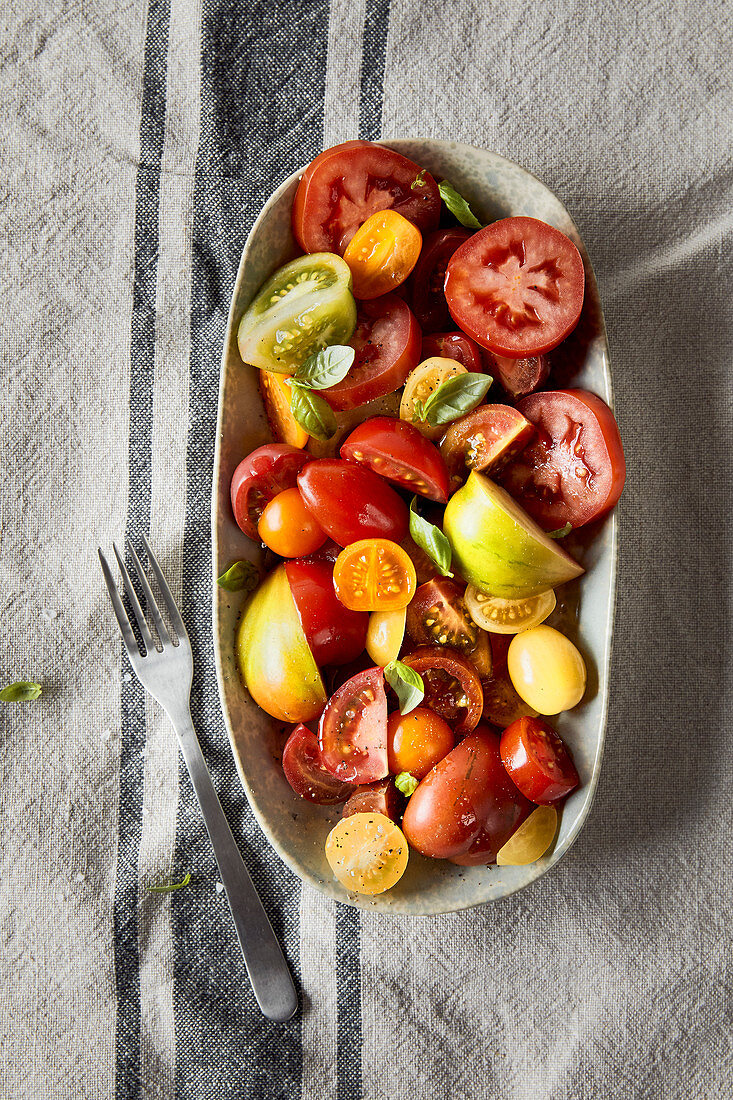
{"points": [[387, 346], [374, 575], [352, 732], [538, 761], [375, 798], [454, 345], [574, 470], [428, 298], [398, 451], [288, 526], [452, 686], [518, 376], [508, 616], [352, 503], [261, 476], [367, 853], [417, 741], [531, 840], [335, 634], [348, 183], [382, 253], [421, 382], [276, 399], [484, 439], [502, 705], [516, 287], [438, 615], [306, 773]]}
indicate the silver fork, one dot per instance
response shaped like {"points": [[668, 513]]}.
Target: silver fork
{"points": [[167, 673]]}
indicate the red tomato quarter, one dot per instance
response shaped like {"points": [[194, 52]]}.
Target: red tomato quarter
{"points": [[484, 439], [353, 729], [305, 771], [428, 298], [574, 469], [452, 686], [345, 185], [335, 634], [261, 476], [351, 503], [516, 287], [538, 761], [398, 451], [454, 345]]}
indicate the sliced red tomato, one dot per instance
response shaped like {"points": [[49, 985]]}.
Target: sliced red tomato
{"points": [[454, 345], [387, 346], [375, 798], [538, 761], [348, 183], [259, 477], [452, 686], [335, 634], [351, 503], [353, 729], [305, 771], [438, 615], [484, 439], [398, 451], [428, 298], [574, 470], [518, 376], [516, 287]]}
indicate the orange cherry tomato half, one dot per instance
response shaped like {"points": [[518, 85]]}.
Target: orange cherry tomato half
{"points": [[374, 575], [417, 741], [276, 399], [382, 253], [288, 527]]}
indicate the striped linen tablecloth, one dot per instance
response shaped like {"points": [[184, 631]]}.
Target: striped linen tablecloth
{"points": [[138, 143]]}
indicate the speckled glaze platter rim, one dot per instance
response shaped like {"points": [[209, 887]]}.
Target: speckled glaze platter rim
{"points": [[496, 187]]}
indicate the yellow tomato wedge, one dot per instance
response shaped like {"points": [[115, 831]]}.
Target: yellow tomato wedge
{"points": [[367, 853], [420, 383], [508, 616], [276, 397], [374, 575], [531, 840], [385, 633], [382, 253], [546, 669]]}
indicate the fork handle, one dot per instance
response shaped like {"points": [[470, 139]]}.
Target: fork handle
{"points": [[268, 971]]}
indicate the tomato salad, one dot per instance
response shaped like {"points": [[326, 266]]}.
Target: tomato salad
{"points": [[422, 474]]}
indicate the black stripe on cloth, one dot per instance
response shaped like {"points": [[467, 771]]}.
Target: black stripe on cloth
{"points": [[376, 25], [348, 993], [142, 353], [262, 92]]}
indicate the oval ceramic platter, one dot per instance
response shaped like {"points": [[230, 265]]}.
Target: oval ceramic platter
{"points": [[296, 829]]}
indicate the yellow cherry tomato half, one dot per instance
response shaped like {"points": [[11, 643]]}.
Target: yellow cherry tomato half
{"points": [[546, 669], [420, 383], [531, 840], [276, 398], [508, 616], [367, 853], [382, 253], [384, 635], [374, 575], [288, 527]]}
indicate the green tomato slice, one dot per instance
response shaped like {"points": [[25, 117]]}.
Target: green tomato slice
{"points": [[305, 306]]}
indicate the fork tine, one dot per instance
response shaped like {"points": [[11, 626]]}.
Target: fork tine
{"points": [[150, 598], [120, 614], [134, 602], [175, 615]]}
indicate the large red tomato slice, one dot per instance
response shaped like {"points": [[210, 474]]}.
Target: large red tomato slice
{"points": [[259, 477], [387, 346], [516, 287], [306, 773], [352, 503], [353, 730], [345, 185], [428, 298], [398, 451], [574, 469], [336, 635]]}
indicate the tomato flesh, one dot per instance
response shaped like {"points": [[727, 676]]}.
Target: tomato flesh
{"points": [[454, 345], [397, 451], [374, 575], [259, 477], [336, 635], [538, 761], [428, 298], [438, 615], [306, 773], [518, 376], [485, 439], [452, 686], [352, 503], [352, 732]]}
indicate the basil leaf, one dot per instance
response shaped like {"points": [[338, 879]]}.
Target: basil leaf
{"points": [[430, 539], [168, 887], [406, 683], [242, 574], [406, 783], [418, 411], [312, 413], [419, 180], [326, 367], [22, 692], [455, 397], [458, 206], [561, 532]]}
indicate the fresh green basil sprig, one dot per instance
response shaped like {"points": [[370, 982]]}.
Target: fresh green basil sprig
{"points": [[318, 372], [22, 692], [561, 532], [241, 575], [406, 783], [406, 683], [454, 397], [430, 539], [458, 206]]}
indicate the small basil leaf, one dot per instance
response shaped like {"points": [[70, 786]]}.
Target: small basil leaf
{"points": [[418, 411], [242, 574], [168, 887], [326, 367], [419, 181], [406, 783], [406, 683], [455, 397], [458, 206], [312, 413], [22, 692], [430, 539], [561, 532]]}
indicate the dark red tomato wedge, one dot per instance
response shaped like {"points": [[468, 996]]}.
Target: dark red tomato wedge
{"points": [[387, 345], [516, 287], [376, 798], [261, 476], [353, 729], [398, 451], [484, 439], [454, 345], [538, 761], [502, 704], [351, 502], [518, 376], [345, 185], [306, 773], [574, 470], [428, 297], [437, 615], [452, 686], [335, 634]]}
